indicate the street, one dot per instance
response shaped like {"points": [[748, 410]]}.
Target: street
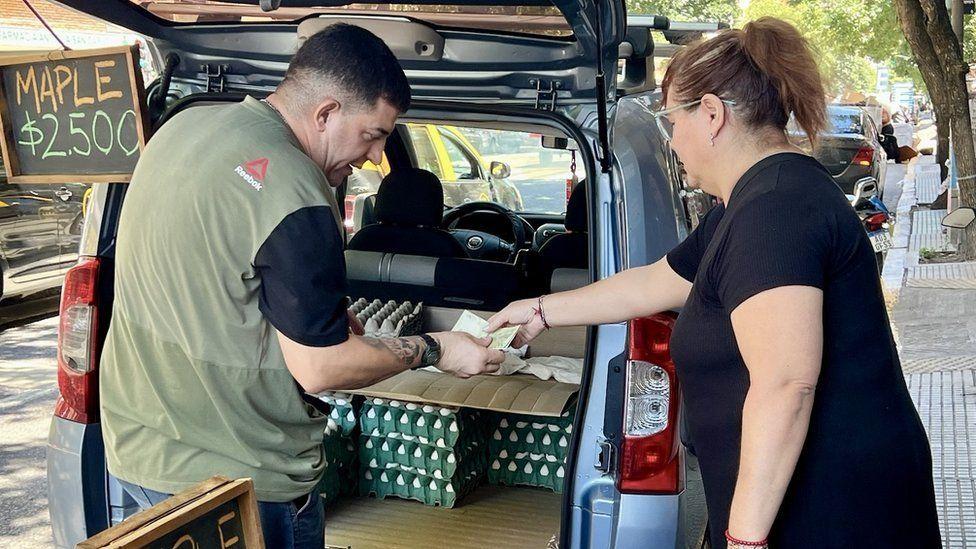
{"points": [[28, 388]]}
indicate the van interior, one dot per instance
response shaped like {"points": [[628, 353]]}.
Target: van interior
{"points": [[509, 221]]}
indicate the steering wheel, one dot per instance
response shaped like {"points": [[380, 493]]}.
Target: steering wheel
{"points": [[479, 243]]}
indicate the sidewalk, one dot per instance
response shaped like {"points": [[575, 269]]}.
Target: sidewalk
{"points": [[934, 318]]}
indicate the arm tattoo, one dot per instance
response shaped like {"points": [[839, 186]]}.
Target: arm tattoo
{"points": [[407, 349]]}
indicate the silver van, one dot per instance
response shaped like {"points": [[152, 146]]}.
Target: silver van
{"points": [[557, 95]]}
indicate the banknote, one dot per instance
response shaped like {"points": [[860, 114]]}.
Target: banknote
{"points": [[473, 324]]}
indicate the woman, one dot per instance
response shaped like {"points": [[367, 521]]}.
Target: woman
{"points": [[793, 392]]}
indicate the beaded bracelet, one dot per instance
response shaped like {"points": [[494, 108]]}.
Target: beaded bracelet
{"points": [[730, 539]]}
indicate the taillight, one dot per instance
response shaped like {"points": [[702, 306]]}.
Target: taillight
{"points": [[876, 222], [77, 358], [864, 156], [650, 460]]}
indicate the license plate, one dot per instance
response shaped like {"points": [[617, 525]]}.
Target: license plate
{"points": [[881, 240]]}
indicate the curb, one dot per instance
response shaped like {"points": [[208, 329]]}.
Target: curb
{"points": [[893, 272]]}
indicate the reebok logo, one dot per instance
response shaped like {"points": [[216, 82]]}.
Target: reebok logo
{"points": [[253, 172]]}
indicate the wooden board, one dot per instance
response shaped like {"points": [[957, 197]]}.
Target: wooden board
{"points": [[72, 115], [218, 512]]}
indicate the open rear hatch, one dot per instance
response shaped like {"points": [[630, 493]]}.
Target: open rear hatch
{"points": [[449, 51]]}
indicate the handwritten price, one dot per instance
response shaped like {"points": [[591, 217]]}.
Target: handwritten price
{"points": [[101, 134]]}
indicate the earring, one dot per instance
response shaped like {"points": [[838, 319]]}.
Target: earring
{"points": [[711, 140]]}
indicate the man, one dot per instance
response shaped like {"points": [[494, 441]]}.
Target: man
{"points": [[231, 292]]}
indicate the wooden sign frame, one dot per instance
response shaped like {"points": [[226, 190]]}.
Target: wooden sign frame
{"points": [[7, 140], [166, 517]]}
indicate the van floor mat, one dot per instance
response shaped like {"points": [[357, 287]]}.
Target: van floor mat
{"points": [[491, 516]]}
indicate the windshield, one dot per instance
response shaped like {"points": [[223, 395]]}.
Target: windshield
{"points": [[845, 121], [519, 19], [510, 168]]}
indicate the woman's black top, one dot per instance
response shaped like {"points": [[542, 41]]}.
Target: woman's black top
{"points": [[864, 477]]}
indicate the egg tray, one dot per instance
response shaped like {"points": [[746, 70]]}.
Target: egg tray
{"points": [[528, 469], [390, 319], [538, 435], [341, 467], [344, 411], [411, 483], [435, 423], [378, 451]]}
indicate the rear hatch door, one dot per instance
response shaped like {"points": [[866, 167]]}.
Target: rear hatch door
{"points": [[538, 53]]}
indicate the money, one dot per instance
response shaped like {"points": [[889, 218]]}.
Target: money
{"points": [[473, 324]]}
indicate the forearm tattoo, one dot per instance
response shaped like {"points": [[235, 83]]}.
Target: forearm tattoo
{"points": [[407, 349]]}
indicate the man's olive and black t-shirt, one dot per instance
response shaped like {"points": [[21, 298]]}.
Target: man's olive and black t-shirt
{"points": [[228, 234]]}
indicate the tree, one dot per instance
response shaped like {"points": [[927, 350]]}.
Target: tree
{"points": [[927, 28], [724, 11]]}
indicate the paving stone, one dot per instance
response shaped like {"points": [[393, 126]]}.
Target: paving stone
{"points": [[946, 402], [927, 184]]}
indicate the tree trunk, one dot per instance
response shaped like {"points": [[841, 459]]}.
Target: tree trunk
{"points": [[954, 72], [912, 21]]}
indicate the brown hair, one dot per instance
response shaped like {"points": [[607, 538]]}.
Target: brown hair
{"points": [[766, 67]]}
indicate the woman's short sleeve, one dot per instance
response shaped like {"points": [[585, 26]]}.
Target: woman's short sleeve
{"points": [[772, 241], [686, 256]]}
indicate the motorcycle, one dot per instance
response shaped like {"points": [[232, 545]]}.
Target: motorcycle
{"points": [[874, 215]]}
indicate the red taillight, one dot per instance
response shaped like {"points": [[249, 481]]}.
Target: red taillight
{"points": [[876, 222], [650, 460], [864, 156], [77, 357]]}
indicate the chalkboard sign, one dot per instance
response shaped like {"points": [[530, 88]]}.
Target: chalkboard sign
{"points": [[72, 115], [216, 513]]}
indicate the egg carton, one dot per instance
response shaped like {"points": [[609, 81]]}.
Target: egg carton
{"points": [[343, 410], [435, 423], [418, 484], [341, 465], [390, 319], [528, 469], [421, 454], [520, 433]]}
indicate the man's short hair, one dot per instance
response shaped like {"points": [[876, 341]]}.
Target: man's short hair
{"points": [[353, 62]]}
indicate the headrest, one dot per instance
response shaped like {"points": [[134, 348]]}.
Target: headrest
{"points": [[410, 197], [576, 209]]}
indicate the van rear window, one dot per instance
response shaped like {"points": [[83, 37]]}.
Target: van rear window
{"points": [[547, 21]]}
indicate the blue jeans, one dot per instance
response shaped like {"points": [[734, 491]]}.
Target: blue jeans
{"points": [[285, 525]]}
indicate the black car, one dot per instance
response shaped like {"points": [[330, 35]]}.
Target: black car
{"points": [[40, 232], [849, 148]]}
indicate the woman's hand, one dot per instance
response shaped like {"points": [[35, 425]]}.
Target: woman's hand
{"points": [[525, 314]]}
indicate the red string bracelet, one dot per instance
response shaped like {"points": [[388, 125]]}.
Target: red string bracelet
{"points": [[542, 314], [730, 539]]}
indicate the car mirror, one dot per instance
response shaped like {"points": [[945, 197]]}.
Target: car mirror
{"points": [[499, 170], [960, 218]]}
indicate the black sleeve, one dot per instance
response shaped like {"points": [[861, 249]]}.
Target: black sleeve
{"points": [[686, 256], [774, 240], [303, 278]]}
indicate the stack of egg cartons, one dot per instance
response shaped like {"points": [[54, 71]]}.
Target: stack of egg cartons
{"points": [[530, 450], [339, 442], [391, 319], [427, 453]]}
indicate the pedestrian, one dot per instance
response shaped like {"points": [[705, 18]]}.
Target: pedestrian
{"points": [[231, 293], [792, 388]]}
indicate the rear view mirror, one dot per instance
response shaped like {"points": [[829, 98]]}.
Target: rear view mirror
{"points": [[499, 170], [960, 218]]}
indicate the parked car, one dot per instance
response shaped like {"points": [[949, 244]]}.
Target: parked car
{"points": [[628, 480], [40, 230], [849, 148], [446, 152]]}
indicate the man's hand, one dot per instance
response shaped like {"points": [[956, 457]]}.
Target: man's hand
{"points": [[519, 313], [465, 355]]}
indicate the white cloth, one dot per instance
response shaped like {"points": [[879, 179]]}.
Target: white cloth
{"points": [[561, 368]]}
